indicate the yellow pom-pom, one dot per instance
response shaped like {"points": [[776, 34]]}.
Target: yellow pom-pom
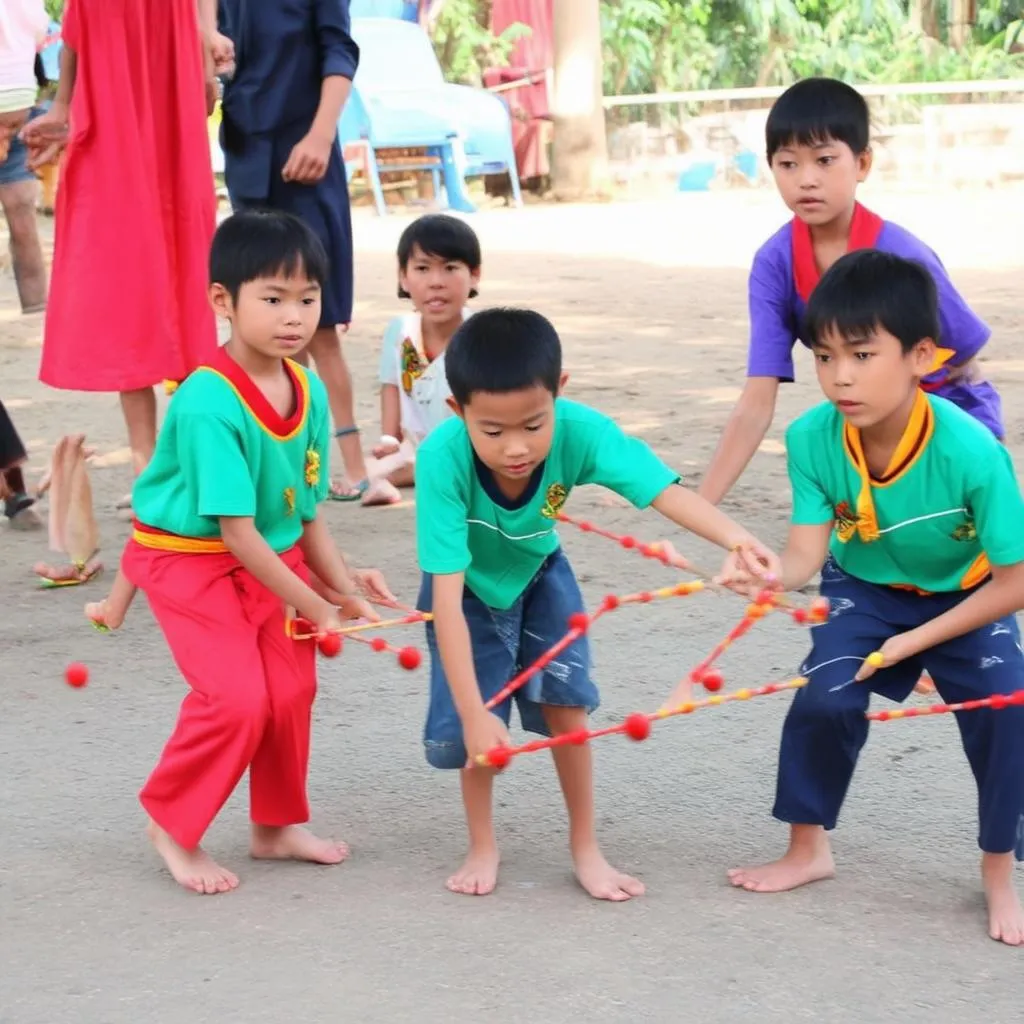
{"points": [[876, 659]]}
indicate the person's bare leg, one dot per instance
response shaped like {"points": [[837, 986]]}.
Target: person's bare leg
{"points": [[808, 859], [478, 875], [1005, 917], [326, 352], [19, 206], [292, 842], [575, 767], [194, 870], [139, 409]]}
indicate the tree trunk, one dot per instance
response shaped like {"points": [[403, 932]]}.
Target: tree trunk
{"points": [[924, 15], [962, 15], [580, 153]]}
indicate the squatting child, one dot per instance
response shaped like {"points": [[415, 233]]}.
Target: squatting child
{"points": [[818, 146], [489, 485], [439, 270], [911, 510], [227, 538]]}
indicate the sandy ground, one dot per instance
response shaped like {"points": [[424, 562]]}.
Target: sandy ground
{"points": [[650, 300]]}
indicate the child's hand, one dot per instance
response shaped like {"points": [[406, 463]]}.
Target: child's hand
{"points": [[483, 733], [307, 162], [386, 448], [371, 584], [46, 136], [896, 649], [221, 50], [351, 607], [751, 563]]}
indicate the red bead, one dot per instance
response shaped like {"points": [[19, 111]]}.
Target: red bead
{"points": [[647, 550], [1000, 700], [330, 645], [610, 603], [800, 616], [820, 609], [628, 542], [585, 526], [1018, 697], [378, 643], [579, 621], [76, 675], [766, 597], [883, 716], [409, 658], [578, 737], [646, 597], [499, 757], [638, 726], [712, 681]]}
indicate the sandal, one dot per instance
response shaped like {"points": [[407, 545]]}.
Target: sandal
{"points": [[72, 575], [349, 492]]}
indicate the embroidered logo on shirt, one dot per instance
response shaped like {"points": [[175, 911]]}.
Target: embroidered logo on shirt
{"points": [[312, 467], [289, 500], [965, 531], [554, 500], [412, 366], [846, 521]]}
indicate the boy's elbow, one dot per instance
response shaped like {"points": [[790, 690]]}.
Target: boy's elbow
{"points": [[757, 400]]}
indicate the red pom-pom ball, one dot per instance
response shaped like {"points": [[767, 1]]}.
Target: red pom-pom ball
{"points": [[610, 603], [800, 616], [580, 621], [628, 542], [409, 658], [712, 681], [638, 726], [378, 643], [499, 757], [76, 675], [330, 645]]}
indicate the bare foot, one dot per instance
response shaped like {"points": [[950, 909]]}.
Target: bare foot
{"points": [[601, 880], [1005, 917], [67, 575], [478, 875], [808, 859], [381, 492], [194, 869], [292, 842]]}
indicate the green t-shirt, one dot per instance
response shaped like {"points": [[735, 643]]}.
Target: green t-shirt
{"points": [[463, 524], [952, 501], [224, 451]]}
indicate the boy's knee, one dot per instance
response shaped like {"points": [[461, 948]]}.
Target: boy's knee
{"points": [[245, 708], [445, 755]]}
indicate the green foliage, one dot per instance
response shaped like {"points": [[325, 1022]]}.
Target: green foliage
{"points": [[55, 9], [466, 46], [669, 45]]}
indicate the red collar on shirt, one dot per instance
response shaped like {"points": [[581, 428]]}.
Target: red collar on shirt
{"points": [[254, 399], [865, 228]]}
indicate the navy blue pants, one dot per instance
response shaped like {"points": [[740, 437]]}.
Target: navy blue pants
{"points": [[825, 729]]}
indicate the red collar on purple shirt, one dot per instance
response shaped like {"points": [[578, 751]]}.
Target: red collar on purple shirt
{"points": [[865, 228]]}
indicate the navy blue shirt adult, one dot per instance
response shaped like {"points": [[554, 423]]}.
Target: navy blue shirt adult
{"points": [[284, 49]]}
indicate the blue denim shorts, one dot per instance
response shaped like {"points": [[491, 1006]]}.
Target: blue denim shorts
{"points": [[15, 167], [504, 642]]}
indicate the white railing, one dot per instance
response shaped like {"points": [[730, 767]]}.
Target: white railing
{"points": [[1009, 86]]}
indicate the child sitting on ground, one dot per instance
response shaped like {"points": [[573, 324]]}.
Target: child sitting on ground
{"points": [[227, 538], [490, 484], [911, 510], [439, 270]]}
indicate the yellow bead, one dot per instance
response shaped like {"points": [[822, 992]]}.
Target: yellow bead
{"points": [[715, 700], [742, 695], [876, 659]]}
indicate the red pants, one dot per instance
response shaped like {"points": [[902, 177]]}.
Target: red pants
{"points": [[252, 692]]}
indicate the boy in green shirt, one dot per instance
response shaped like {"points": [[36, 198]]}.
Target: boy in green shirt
{"points": [[489, 485], [227, 537], [911, 510]]}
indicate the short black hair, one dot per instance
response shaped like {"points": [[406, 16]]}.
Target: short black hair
{"points": [[818, 110], [868, 289], [259, 243], [502, 350], [438, 234]]}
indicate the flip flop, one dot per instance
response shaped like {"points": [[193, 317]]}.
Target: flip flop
{"points": [[73, 576], [355, 492]]}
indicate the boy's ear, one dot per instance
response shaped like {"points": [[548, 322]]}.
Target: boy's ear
{"points": [[220, 299], [927, 357], [562, 381], [864, 161], [455, 408]]}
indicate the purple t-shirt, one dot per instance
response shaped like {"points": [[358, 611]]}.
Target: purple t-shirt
{"points": [[777, 310]]}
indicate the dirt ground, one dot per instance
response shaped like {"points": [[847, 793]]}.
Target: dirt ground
{"points": [[650, 300]]}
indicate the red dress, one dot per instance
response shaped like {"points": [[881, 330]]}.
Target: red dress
{"points": [[136, 208]]}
